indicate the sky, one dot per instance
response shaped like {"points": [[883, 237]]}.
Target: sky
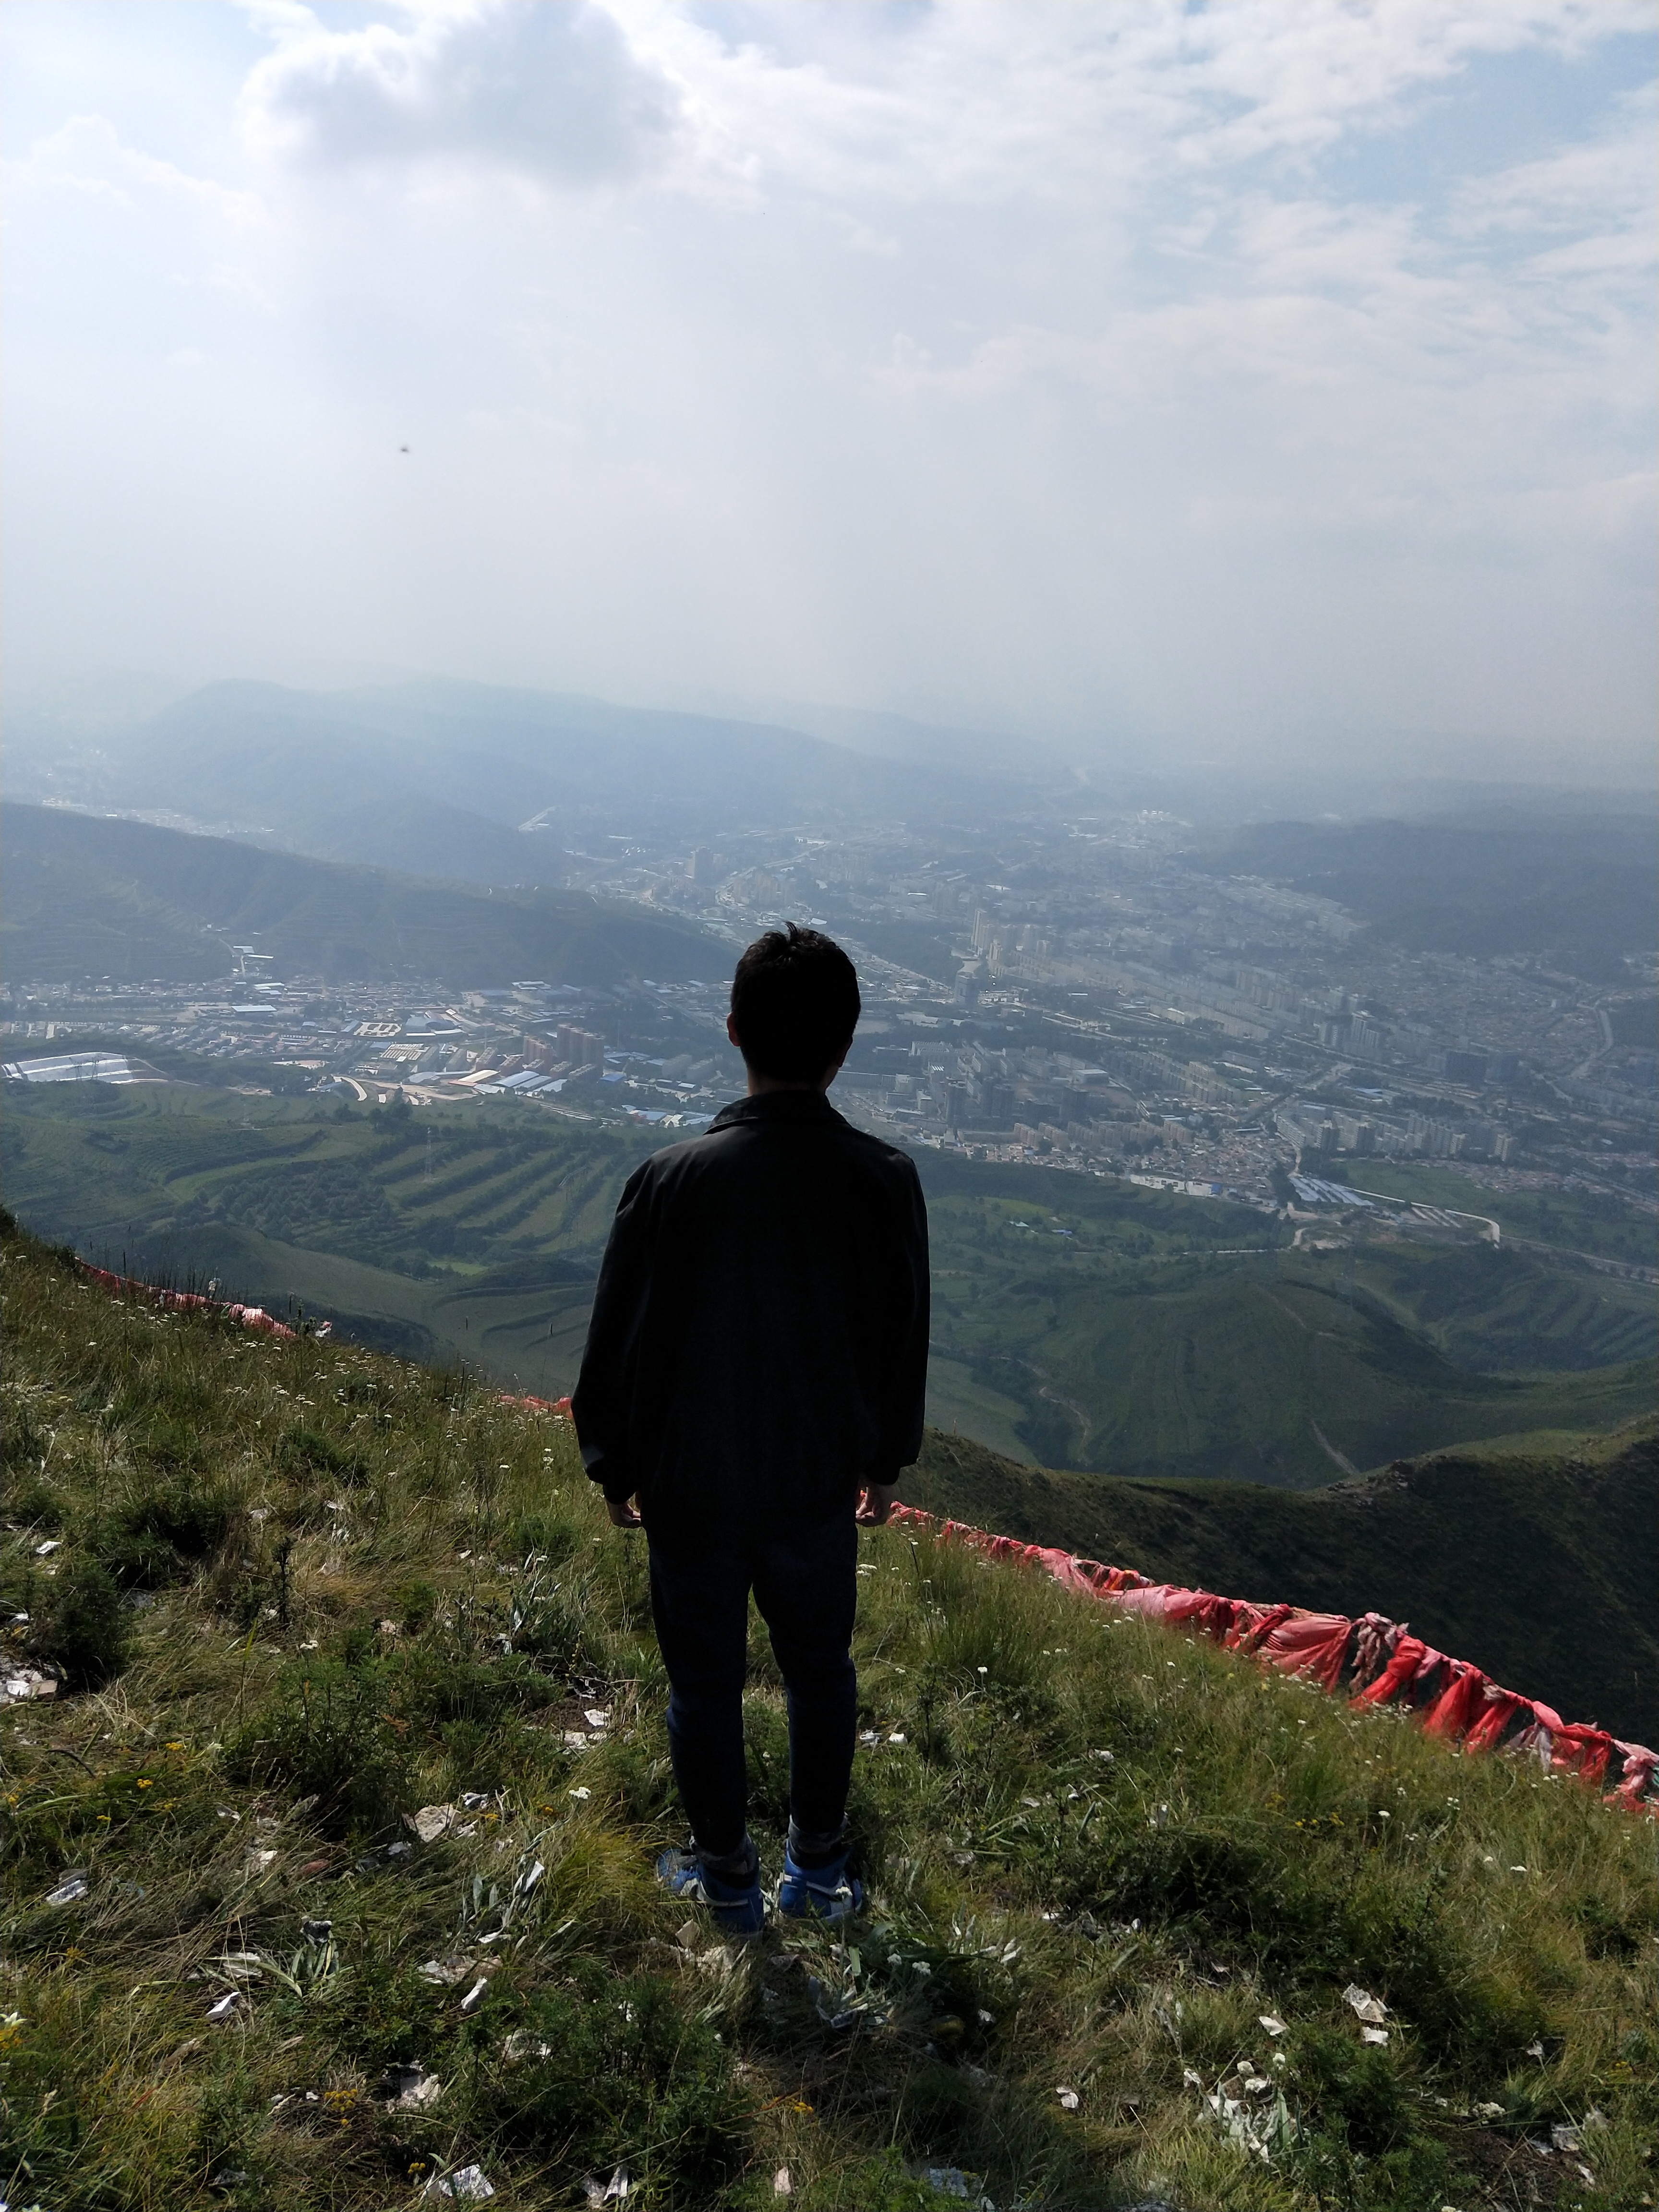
{"points": [[1268, 381]]}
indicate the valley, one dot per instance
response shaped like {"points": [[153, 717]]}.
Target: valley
{"points": [[1082, 1322]]}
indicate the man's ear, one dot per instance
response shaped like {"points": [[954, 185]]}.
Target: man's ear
{"points": [[838, 1063], [732, 1037]]}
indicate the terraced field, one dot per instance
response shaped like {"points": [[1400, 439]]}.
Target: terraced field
{"points": [[1078, 1323]]}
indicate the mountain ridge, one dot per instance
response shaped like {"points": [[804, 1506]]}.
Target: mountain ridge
{"points": [[131, 901]]}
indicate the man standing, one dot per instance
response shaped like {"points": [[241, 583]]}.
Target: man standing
{"points": [[753, 1381]]}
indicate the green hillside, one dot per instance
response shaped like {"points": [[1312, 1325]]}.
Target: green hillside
{"points": [[1077, 1322], [296, 1591], [1154, 1334], [90, 896], [1537, 1558]]}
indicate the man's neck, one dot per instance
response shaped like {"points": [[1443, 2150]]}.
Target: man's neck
{"points": [[763, 1086]]}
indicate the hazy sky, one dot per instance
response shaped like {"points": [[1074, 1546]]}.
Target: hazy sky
{"points": [[1270, 376]]}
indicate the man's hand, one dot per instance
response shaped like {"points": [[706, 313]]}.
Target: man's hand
{"points": [[621, 1512], [877, 1503]]}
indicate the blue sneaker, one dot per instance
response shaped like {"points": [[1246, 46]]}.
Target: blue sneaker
{"points": [[820, 1892], [738, 1908]]}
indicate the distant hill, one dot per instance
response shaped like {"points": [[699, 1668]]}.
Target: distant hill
{"points": [[1580, 885], [87, 896], [437, 777], [1535, 1557]]}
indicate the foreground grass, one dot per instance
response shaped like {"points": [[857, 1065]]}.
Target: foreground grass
{"points": [[300, 1591]]}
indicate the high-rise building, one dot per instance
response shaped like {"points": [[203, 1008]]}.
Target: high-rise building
{"points": [[578, 1048]]}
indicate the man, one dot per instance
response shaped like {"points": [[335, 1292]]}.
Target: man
{"points": [[753, 1381]]}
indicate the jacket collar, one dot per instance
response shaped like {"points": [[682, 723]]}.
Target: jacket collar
{"points": [[775, 1106]]}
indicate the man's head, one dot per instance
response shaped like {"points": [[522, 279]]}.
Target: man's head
{"points": [[794, 1005]]}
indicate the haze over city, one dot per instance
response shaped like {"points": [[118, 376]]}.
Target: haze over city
{"points": [[1250, 385]]}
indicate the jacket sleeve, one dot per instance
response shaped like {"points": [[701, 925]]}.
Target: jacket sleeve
{"points": [[601, 1404], [905, 1399]]}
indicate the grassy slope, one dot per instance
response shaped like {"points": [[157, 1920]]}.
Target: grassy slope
{"points": [[1161, 1336], [126, 900], [1538, 1558], [370, 1588]]}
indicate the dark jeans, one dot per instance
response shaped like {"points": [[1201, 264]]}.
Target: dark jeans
{"points": [[806, 1585]]}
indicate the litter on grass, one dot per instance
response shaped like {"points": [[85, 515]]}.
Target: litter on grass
{"points": [[1069, 2099], [466, 2183], [26, 1684], [430, 1822], [1370, 2009], [521, 2045], [781, 2185], [1271, 2022], [69, 1891], [1373, 2035], [614, 2192], [445, 1972], [951, 2181], [1264, 2132], [227, 2007]]}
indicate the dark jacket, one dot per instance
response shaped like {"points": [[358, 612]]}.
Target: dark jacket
{"points": [[758, 1346]]}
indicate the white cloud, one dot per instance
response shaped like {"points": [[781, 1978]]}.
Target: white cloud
{"points": [[1062, 362], [555, 92]]}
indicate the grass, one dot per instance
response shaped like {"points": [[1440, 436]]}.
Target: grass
{"points": [[1532, 1556], [1096, 1854], [1078, 1323]]}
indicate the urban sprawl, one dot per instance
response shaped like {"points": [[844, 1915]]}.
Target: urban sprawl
{"points": [[1087, 998]]}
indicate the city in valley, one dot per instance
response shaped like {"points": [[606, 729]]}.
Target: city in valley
{"points": [[1089, 992]]}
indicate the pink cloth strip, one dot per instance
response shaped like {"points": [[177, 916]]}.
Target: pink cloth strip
{"points": [[1385, 1663]]}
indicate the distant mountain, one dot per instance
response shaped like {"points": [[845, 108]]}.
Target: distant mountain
{"points": [[438, 777], [1580, 885], [1536, 1557], [85, 896]]}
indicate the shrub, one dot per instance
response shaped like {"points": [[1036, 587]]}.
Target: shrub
{"points": [[81, 1626], [156, 1537], [325, 1734], [304, 1452]]}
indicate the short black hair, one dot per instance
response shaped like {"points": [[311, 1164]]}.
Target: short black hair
{"points": [[794, 1004]]}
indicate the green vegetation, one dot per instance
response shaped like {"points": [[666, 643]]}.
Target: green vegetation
{"points": [[1567, 1220], [1537, 1558], [1502, 1312], [1155, 1334], [1096, 1853], [131, 903], [1078, 1321]]}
